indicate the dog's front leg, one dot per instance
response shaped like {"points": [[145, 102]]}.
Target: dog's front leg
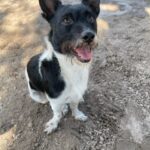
{"points": [[57, 107], [79, 115]]}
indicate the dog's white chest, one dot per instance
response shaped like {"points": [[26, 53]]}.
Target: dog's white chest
{"points": [[76, 82], [76, 79]]}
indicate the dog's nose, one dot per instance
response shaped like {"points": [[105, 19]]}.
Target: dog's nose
{"points": [[88, 37]]}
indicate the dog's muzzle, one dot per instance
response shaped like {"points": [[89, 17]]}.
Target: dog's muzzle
{"points": [[84, 49]]}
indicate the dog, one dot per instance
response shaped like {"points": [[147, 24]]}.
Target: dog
{"points": [[60, 74]]}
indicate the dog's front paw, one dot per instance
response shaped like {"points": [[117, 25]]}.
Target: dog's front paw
{"points": [[79, 115], [50, 126]]}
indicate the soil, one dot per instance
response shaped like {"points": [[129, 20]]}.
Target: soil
{"points": [[117, 101]]}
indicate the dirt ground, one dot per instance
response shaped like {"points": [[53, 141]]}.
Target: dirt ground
{"points": [[117, 101]]}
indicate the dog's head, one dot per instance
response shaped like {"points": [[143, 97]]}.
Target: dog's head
{"points": [[73, 27]]}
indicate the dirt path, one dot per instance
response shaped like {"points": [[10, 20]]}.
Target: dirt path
{"points": [[118, 99]]}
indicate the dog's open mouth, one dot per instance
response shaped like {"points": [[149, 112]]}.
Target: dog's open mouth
{"points": [[83, 53]]}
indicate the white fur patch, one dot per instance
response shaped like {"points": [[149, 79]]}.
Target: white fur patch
{"points": [[75, 75]]}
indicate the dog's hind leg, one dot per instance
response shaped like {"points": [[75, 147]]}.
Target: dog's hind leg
{"points": [[37, 96]]}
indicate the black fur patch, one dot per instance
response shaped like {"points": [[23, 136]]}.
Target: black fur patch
{"points": [[51, 82]]}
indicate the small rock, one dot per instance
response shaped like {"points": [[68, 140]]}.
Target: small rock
{"points": [[30, 124]]}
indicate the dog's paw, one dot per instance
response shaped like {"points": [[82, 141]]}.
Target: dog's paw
{"points": [[80, 116], [65, 109], [50, 127]]}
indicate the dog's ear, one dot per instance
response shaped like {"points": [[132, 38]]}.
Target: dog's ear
{"points": [[49, 7], [93, 4]]}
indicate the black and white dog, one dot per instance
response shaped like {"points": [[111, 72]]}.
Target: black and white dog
{"points": [[60, 74]]}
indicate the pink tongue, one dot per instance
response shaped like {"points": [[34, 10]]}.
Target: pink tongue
{"points": [[84, 53]]}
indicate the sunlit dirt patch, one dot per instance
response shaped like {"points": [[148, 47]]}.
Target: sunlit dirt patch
{"points": [[3, 69], [6, 139], [102, 25], [147, 10], [115, 8], [102, 28], [110, 7]]}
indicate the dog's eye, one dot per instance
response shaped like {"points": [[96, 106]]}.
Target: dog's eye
{"points": [[67, 20], [91, 19]]}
